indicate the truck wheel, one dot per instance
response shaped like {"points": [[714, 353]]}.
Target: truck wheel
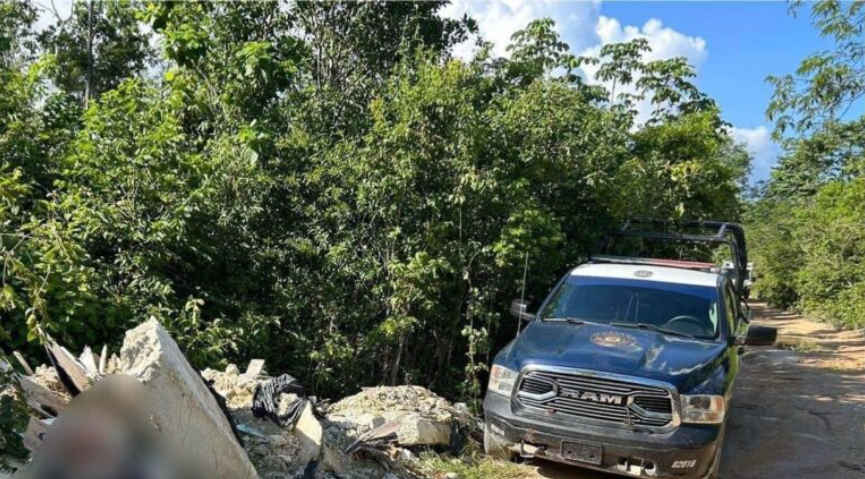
{"points": [[761, 336], [495, 446]]}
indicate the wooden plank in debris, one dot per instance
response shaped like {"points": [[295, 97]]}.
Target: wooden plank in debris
{"points": [[255, 368], [23, 362], [40, 397], [32, 438], [72, 373]]}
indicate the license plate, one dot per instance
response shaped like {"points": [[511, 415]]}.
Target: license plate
{"points": [[583, 452]]}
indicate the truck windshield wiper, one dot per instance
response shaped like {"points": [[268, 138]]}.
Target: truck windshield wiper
{"points": [[652, 327], [568, 320]]}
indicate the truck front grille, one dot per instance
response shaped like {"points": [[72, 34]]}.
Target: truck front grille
{"points": [[596, 397]]}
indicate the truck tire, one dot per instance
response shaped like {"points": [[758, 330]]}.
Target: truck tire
{"points": [[761, 336], [496, 447]]}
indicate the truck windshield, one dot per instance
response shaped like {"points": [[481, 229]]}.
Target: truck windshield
{"points": [[663, 307]]}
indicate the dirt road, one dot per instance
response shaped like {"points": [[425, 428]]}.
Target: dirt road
{"points": [[799, 408]]}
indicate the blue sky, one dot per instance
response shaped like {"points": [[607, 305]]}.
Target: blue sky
{"points": [[734, 46]]}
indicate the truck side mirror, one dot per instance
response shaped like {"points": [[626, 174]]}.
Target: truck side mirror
{"points": [[520, 309], [761, 336]]}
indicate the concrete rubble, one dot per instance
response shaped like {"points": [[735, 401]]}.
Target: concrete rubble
{"points": [[275, 451], [375, 434], [185, 409], [424, 418], [46, 376]]}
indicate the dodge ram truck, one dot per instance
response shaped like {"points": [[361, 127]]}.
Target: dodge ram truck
{"points": [[628, 365]]}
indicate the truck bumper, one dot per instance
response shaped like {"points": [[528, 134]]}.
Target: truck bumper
{"points": [[687, 452]]}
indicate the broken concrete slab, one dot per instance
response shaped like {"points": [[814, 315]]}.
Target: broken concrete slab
{"points": [[103, 359], [40, 398], [36, 429], [90, 362], [23, 362], [309, 433], [72, 373], [185, 409], [236, 389], [255, 368], [424, 418], [415, 430]]}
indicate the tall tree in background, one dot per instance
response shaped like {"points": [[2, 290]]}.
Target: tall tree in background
{"points": [[16, 33], [812, 107], [809, 229], [97, 47], [827, 84]]}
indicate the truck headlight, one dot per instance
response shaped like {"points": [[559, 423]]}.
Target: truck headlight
{"points": [[703, 409], [502, 380]]}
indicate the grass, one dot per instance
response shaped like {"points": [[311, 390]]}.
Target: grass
{"points": [[470, 466]]}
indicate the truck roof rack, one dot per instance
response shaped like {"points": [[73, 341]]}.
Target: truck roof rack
{"points": [[696, 232]]}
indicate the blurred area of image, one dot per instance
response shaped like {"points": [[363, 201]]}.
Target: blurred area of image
{"points": [[108, 433]]}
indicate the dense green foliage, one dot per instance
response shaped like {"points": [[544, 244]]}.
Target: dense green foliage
{"points": [[323, 185], [808, 229]]}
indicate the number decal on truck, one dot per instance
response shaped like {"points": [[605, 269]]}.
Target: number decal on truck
{"points": [[684, 464]]}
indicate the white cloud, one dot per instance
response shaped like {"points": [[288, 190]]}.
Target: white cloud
{"points": [[759, 144], [580, 25], [665, 42], [499, 19]]}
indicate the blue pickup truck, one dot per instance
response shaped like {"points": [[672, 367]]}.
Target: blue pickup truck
{"points": [[629, 364]]}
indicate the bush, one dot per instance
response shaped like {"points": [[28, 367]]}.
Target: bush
{"points": [[810, 253]]}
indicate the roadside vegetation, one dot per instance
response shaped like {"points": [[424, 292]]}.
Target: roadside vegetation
{"points": [[808, 226], [324, 185]]}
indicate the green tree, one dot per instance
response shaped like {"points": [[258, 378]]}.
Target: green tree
{"points": [[827, 84], [16, 33], [97, 47], [808, 227], [324, 186], [538, 51]]}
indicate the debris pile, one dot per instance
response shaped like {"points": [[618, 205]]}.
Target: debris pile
{"points": [[277, 448], [228, 423], [423, 418], [390, 426], [47, 377], [182, 408], [236, 388]]}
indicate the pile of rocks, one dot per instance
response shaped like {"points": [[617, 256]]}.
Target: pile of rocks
{"points": [[209, 418], [275, 451], [420, 417], [180, 405]]}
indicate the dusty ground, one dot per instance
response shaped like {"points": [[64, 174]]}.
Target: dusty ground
{"points": [[799, 409]]}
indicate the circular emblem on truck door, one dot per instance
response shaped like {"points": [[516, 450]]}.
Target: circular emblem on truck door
{"points": [[614, 340], [642, 273]]}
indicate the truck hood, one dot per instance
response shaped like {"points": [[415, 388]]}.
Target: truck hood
{"points": [[682, 362]]}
